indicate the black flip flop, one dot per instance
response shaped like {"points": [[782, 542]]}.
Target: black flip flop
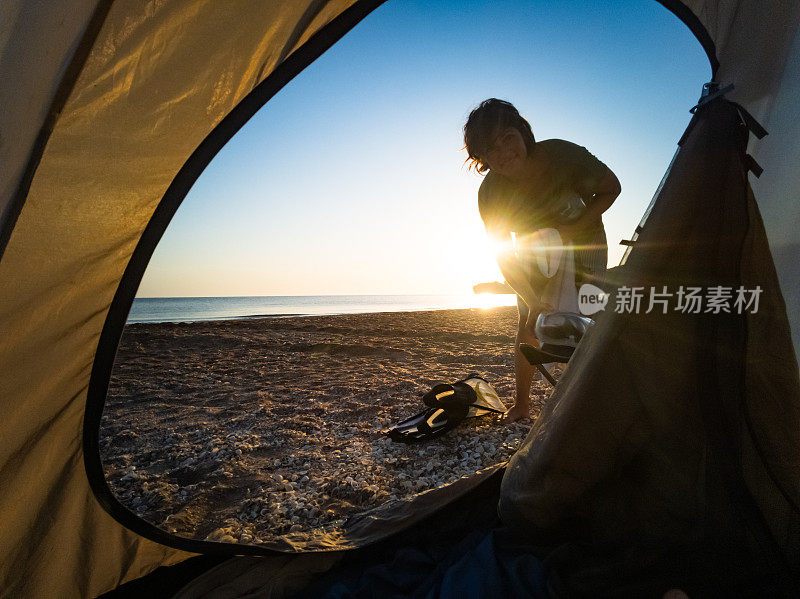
{"points": [[448, 405], [426, 425]]}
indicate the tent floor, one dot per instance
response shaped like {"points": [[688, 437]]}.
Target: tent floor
{"points": [[166, 580]]}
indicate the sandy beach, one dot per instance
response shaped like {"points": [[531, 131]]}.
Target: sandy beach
{"points": [[245, 430]]}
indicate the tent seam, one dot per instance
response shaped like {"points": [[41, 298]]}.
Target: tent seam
{"points": [[9, 217]]}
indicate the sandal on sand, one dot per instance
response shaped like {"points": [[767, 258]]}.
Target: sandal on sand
{"points": [[448, 405]]}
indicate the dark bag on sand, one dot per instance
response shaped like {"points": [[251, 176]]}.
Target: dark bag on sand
{"points": [[448, 405]]}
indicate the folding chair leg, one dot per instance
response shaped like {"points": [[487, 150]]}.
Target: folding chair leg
{"points": [[546, 374]]}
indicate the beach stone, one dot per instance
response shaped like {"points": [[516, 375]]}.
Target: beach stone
{"points": [[218, 534], [249, 349]]}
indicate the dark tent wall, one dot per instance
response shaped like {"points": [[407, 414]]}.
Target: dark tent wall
{"points": [[676, 434], [778, 189], [758, 48], [109, 106]]}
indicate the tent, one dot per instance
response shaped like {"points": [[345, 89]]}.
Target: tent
{"points": [[111, 110]]}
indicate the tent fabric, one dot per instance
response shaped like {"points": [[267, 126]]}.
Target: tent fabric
{"points": [[758, 47], [476, 565], [635, 448], [752, 43], [160, 77], [777, 190], [277, 576], [51, 31], [157, 80]]}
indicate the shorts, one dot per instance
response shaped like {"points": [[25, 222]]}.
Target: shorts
{"points": [[591, 262]]}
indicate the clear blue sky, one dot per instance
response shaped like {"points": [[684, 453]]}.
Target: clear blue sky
{"points": [[352, 179]]}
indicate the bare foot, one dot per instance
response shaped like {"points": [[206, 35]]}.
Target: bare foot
{"points": [[516, 412]]}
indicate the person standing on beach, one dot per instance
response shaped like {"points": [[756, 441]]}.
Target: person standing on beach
{"points": [[524, 190]]}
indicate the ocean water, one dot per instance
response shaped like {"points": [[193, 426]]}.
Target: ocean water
{"points": [[190, 309]]}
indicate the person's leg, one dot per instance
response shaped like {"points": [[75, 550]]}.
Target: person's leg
{"points": [[523, 371]]}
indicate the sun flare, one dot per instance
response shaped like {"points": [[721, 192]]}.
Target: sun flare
{"points": [[485, 301], [496, 247]]}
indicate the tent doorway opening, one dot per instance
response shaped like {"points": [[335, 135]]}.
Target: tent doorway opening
{"points": [[350, 183]]}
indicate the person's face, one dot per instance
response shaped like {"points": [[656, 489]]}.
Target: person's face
{"points": [[506, 156]]}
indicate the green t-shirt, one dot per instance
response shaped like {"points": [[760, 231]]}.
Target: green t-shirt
{"points": [[572, 169]]}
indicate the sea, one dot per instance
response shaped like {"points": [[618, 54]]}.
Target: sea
{"points": [[192, 309]]}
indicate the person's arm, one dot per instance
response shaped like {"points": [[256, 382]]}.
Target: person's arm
{"points": [[598, 200]]}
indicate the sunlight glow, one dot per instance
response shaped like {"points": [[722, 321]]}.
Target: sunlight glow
{"points": [[484, 301], [498, 247]]}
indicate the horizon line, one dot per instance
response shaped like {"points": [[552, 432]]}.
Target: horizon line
{"points": [[312, 295]]}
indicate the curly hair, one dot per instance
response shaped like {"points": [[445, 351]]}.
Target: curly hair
{"points": [[481, 124]]}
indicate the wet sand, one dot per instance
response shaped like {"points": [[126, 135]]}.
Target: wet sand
{"points": [[245, 430]]}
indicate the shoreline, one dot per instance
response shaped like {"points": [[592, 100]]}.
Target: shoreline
{"points": [[390, 308], [299, 315], [222, 318], [244, 430]]}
